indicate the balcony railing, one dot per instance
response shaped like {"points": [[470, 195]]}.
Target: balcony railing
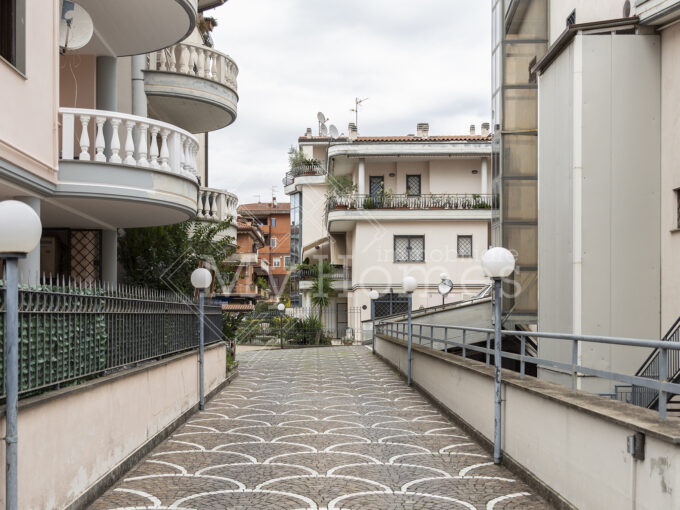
{"points": [[198, 61], [338, 273], [303, 170], [216, 205], [146, 143], [412, 202]]}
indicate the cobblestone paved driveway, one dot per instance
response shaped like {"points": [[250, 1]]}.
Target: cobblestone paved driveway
{"points": [[321, 428]]}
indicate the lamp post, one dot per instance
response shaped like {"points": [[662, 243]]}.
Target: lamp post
{"points": [[201, 280], [497, 263], [445, 287], [373, 295], [409, 285], [20, 232], [281, 308]]}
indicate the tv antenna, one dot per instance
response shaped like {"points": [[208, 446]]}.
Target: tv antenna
{"points": [[333, 131], [323, 130], [357, 104]]}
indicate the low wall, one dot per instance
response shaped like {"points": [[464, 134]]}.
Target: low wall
{"points": [[70, 439], [574, 445]]}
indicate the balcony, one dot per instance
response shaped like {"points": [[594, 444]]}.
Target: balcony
{"points": [[131, 27], [143, 177], [216, 205], [304, 171], [193, 87], [244, 259], [204, 5], [345, 210], [338, 273]]}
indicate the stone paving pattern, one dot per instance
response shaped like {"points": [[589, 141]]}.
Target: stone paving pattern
{"points": [[318, 428]]}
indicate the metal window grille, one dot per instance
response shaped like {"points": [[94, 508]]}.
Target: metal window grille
{"points": [[390, 304], [465, 246], [409, 248], [413, 184], [71, 332], [86, 255], [377, 186]]}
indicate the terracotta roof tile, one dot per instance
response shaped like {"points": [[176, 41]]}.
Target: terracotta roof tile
{"points": [[404, 138], [238, 307]]}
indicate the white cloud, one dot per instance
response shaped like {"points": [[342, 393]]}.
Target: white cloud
{"points": [[416, 61]]}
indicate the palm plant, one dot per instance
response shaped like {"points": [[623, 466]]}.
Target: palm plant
{"points": [[322, 288]]}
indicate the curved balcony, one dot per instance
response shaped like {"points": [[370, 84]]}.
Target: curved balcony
{"points": [[301, 173], [192, 86], [120, 170], [131, 27], [204, 5], [216, 205]]}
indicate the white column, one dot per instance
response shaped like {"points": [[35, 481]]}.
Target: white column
{"points": [[361, 185], [483, 171], [29, 267], [138, 94], [110, 256]]}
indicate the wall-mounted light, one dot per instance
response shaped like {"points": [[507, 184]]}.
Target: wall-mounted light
{"points": [[475, 171]]}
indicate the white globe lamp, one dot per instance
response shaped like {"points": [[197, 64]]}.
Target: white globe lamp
{"points": [[281, 307], [201, 278], [20, 228], [373, 295], [498, 263], [409, 284]]}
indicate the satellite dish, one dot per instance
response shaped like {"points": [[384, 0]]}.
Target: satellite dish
{"points": [[321, 117], [333, 131], [445, 287], [75, 26], [323, 130]]}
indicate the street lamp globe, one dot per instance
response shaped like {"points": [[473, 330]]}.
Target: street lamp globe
{"points": [[373, 295], [409, 284], [443, 276], [498, 263], [20, 228], [201, 278], [281, 307]]}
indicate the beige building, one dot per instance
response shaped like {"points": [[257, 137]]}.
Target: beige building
{"points": [[105, 128], [382, 208], [607, 110]]}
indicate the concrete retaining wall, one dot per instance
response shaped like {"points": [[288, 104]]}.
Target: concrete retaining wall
{"points": [[575, 444], [70, 439]]}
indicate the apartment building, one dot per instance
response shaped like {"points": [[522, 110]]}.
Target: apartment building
{"points": [[273, 219], [251, 278], [607, 90], [380, 208], [105, 128]]}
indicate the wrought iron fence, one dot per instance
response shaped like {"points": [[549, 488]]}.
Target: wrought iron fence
{"points": [[469, 340], [311, 170], [70, 332], [336, 273], [413, 202]]}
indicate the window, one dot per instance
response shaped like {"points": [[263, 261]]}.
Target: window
{"points": [[286, 262], [409, 248], [376, 185], [276, 262], [465, 246], [273, 222], [272, 243], [413, 185], [389, 304], [12, 32]]}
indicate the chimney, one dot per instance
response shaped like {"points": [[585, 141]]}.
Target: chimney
{"points": [[485, 129], [353, 132], [423, 130], [308, 133], [274, 202], [472, 130]]}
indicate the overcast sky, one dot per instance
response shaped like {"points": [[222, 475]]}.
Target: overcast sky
{"points": [[416, 61]]}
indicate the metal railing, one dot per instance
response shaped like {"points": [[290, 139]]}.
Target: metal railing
{"points": [[338, 273], [480, 340], [412, 202], [309, 170], [70, 332], [651, 369]]}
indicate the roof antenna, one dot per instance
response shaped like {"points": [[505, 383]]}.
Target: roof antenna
{"points": [[357, 104]]}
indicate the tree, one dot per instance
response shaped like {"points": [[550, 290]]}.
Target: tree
{"points": [[164, 257]]}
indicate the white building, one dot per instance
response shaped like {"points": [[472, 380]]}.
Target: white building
{"points": [[107, 130], [382, 208]]}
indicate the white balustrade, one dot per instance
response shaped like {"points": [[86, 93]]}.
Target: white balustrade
{"points": [[216, 205], [147, 143], [193, 60]]}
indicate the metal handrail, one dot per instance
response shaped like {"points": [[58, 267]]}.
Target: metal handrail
{"points": [[311, 169], [440, 336], [413, 202]]}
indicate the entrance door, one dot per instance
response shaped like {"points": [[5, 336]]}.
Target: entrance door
{"points": [[341, 319]]}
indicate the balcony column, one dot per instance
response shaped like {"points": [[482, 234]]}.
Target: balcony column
{"points": [[139, 106], [29, 267], [110, 256], [107, 94], [483, 171], [361, 185]]}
